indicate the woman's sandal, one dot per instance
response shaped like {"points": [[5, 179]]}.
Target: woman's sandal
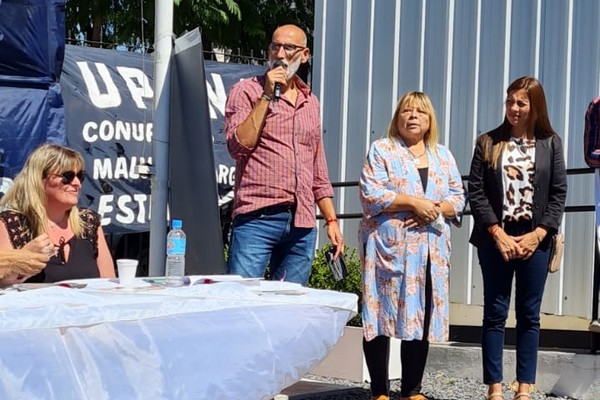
{"points": [[524, 394], [496, 396], [415, 397]]}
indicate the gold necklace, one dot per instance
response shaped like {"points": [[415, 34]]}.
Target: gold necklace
{"points": [[53, 225]]}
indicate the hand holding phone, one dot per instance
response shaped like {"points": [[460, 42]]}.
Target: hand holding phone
{"points": [[337, 266]]}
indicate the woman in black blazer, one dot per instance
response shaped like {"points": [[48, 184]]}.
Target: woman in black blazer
{"points": [[517, 192]]}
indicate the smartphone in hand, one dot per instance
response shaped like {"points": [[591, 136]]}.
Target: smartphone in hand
{"points": [[337, 266]]}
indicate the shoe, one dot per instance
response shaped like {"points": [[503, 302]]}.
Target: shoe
{"points": [[381, 397], [525, 394], [595, 326], [495, 396], [415, 397]]}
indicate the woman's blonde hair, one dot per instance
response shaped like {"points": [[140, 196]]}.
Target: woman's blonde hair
{"points": [[539, 123], [421, 101], [27, 195]]}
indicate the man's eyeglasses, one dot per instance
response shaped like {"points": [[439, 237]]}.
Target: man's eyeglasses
{"points": [[289, 48], [68, 176]]}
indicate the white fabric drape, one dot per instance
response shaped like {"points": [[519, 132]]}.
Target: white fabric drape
{"points": [[209, 341]]}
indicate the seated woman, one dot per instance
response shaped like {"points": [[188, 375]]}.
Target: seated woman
{"points": [[43, 201]]}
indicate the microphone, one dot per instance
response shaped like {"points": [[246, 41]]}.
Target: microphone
{"points": [[277, 94]]}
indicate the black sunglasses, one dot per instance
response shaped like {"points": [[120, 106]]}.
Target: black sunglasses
{"points": [[68, 176]]}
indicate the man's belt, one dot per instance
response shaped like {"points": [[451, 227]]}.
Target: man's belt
{"points": [[270, 210]]}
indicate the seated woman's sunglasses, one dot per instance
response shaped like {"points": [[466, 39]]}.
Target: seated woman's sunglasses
{"points": [[68, 176]]}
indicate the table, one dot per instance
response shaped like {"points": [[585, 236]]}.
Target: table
{"points": [[238, 339]]}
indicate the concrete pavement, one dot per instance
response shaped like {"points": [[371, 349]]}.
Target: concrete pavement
{"points": [[572, 374]]}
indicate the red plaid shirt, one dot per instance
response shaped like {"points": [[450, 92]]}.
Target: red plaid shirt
{"points": [[288, 163]]}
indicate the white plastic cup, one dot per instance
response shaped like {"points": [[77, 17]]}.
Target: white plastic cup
{"points": [[126, 269]]}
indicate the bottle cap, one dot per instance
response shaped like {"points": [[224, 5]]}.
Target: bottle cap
{"points": [[176, 224]]}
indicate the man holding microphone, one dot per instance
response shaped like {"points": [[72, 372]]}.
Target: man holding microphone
{"points": [[273, 132]]}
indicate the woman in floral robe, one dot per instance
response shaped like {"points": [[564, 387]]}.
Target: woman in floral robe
{"points": [[410, 190]]}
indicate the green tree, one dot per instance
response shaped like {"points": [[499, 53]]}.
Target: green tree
{"points": [[208, 15], [118, 21], [110, 21], [233, 24], [251, 34]]}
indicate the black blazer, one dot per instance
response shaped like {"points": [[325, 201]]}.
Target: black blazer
{"points": [[486, 195]]}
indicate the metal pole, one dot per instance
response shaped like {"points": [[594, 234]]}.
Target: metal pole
{"points": [[160, 141], [596, 275], [596, 292]]}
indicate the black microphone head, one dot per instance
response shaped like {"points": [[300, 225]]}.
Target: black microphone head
{"points": [[275, 64]]}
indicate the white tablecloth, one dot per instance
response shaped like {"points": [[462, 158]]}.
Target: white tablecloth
{"points": [[228, 340]]}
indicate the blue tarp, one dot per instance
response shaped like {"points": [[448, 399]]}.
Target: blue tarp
{"points": [[31, 55], [32, 41]]}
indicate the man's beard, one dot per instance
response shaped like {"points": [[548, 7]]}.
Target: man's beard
{"points": [[291, 68]]}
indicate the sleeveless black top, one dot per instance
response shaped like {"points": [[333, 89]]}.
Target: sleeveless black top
{"points": [[83, 254]]}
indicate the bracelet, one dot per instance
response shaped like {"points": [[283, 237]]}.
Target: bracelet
{"points": [[494, 230], [266, 97], [330, 220]]}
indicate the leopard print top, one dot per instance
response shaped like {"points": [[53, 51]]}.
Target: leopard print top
{"points": [[518, 167]]}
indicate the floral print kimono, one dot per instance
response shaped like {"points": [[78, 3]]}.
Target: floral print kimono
{"points": [[393, 257]]}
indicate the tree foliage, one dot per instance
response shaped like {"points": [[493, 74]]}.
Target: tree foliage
{"points": [[239, 25], [251, 33], [110, 21]]}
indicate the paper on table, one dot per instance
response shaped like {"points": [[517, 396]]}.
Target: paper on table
{"points": [[279, 287], [22, 287], [204, 279], [190, 280], [107, 284]]}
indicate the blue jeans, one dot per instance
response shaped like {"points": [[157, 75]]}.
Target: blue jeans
{"points": [[269, 238], [530, 279]]}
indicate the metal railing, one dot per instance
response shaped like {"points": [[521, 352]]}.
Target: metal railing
{"points": [[595, 337], [136, 245], [227, 56]]}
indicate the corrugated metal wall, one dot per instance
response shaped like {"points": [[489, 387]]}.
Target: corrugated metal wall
{"points": [[463, 53]]}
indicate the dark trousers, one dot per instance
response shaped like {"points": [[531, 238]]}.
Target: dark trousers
{"points": [[413, 355], [530, 279]]}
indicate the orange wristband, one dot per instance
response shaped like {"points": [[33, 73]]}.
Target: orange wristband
{"points": [[493, 230], [330, 220]]}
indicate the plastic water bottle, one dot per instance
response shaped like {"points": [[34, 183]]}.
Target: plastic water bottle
{"points": [[175, 268]]}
